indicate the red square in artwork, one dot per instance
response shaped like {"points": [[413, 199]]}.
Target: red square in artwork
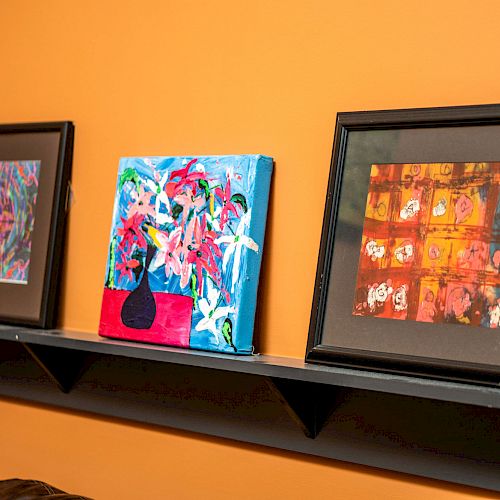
{"points": [[171, 324]]}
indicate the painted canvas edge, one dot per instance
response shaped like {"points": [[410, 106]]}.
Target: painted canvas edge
{"points": [[244, 329]]}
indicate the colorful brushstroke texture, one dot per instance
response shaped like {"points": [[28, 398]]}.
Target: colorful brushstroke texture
{"points": [[185, 248], [18, 193], [431, 244]]}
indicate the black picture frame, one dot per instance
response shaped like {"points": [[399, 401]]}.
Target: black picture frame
{"points": [[34, 302], [424, 135]]}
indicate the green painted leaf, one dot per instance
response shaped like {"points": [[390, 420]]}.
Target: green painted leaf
{"points": [[176, 210], [204, 185], [139, 254], [227, 333], [241, 200], [129, 174], [194, 290], [191, 214], [110, 283]]}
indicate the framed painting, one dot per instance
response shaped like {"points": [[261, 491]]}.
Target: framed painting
{"points": [[35, 164], [408, 271]]}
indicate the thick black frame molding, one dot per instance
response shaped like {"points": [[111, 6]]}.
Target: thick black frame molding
{"points": [[317, 350], [60, 191]]}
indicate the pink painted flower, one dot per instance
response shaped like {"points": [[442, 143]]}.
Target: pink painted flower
{"points": [[434, 252], [197, 252], [183, 172], [463, 208], [208, 244], [168, 252], [188, 201], [131, 232], [141, 203], [186, 178], [227, 205], [201, 254], [186, 244], [200, 260], [126, 268]]}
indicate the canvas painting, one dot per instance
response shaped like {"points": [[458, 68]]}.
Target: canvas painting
{"points": [[185, 251], [430, 247], [18, 194]]}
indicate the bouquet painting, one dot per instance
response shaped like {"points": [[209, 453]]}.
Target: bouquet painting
{"points": [[185, 251]]}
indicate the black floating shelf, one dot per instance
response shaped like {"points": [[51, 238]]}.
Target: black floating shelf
{"points": [[262, 365], [438, 429]]}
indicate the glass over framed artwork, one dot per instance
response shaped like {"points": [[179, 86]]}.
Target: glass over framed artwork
{"points": [[408, 272], [35, 164]]}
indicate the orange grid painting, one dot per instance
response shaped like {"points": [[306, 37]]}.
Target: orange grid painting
{"points": [[430, 248]]}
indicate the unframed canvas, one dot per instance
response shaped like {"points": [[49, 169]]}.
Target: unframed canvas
{"points": [[185, 251]]}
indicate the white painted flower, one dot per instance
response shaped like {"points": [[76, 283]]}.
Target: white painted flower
{"points": [[162, 217], [374, 250], [399, 298], [235, 244], [199, 167], [382, 292], [167, 253], [411, 208], [378, 294], [214, 219], [149, 162], [404, 253], [212, 312], [494, 313], [440, 208]]}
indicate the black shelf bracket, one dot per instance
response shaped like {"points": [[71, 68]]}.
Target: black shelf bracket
{"points": [[308, 404], [63, 366]]}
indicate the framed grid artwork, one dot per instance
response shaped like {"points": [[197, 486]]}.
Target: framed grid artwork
{"points": [[408, 272]]}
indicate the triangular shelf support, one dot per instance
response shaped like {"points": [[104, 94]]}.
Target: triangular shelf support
{"points": [[308, 404], [63, 366]]}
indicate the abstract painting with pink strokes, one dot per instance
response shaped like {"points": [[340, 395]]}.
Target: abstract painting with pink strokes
{"points": [[18, 195], [430, 247]]}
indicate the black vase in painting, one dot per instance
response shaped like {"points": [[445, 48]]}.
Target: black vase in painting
{"points": [[139, 308]]}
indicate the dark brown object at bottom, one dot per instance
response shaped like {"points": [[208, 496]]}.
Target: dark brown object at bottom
{"points": [[29, 489]]}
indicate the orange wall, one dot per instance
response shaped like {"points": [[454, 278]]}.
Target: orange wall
{"points": [[118, 461], [177, 77]]}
